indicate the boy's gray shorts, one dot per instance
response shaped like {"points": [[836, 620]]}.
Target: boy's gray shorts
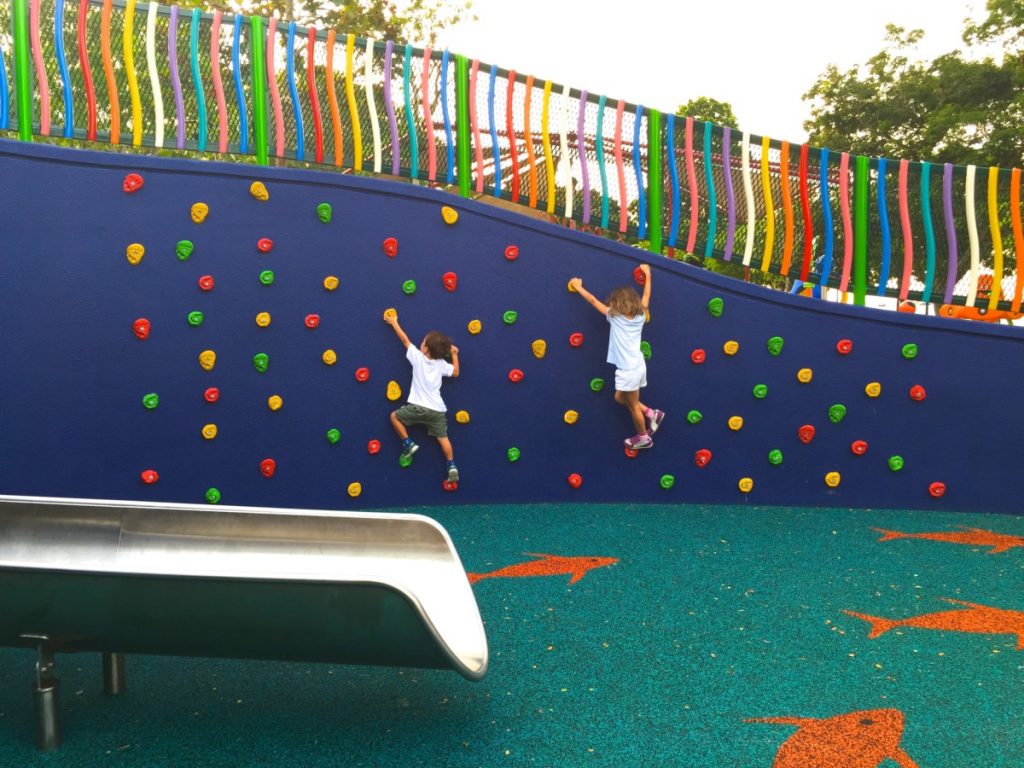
{"points": [[436, 422]]}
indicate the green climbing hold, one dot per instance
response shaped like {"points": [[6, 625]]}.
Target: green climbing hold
{"points": [[667, 481], [760, 391], [909, 351], [333, 435], [775, 457], [151, 401], [895, 463], [694, 417], [596, 385], [409, 287], [775, 345], [404, 461], [513, 454], [267, 277], [715, 307], [261, 361], [836, 413], [510, 317], [323, 212], [184, 249], [645, 349], [212, 495], [195, 319]]}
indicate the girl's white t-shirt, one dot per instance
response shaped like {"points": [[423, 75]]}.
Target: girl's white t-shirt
{"points": [[427, 373], [624, 341]]}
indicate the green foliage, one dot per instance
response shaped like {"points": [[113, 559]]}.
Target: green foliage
{"points": [[705, 108]]}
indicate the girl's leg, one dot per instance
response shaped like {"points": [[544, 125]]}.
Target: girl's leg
{"points": [[398, 426], [446, 448], [631, 401]]}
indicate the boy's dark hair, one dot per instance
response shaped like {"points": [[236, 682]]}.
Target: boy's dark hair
{"points": [[439, 346]]}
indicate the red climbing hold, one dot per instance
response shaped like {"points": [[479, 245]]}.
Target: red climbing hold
{"points": [[631, 453], [859, 447], [312, 321], [141, 328], [639, 276], [576, 340], [805, 433], [702, 457], [512, 252], [212, 395], [268, 467], [265, 244], [391, 247], [132, 183], [206, 283], [937, 489], [450, 280], [362, 374], [917, 393], [449, 486], [515, 375], [373, 447], [575, 480], [148, 476], [698, 356], [844, 346]]}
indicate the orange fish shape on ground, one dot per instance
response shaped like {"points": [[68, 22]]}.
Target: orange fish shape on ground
{"points": [[863, 739], [978, 619], [547, 565], [974, 537]]}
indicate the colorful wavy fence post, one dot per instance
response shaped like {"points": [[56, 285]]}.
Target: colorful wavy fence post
{"points": [[332, 99], [511, 133], [236, 68], [730, 197], [371, 103], [300, 138], [84, 66], [108, 71], [42, 81], [581, 153], [275, 92], [154, 76], [495, 149], [883, 223], [353, 110], [670, 153], [826, 209], [599, 144], [769, 204], [65, 76], [997, 237], [179, 102], [947, 213], [748, 198], [128, 49], [972, 234], [929, 231], [197, 80], [218, 85], [314, 100], [1018, 236], [844, 211]]}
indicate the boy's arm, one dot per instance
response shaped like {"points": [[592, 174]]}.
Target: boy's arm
{"points": [[455, 362], [392, 320], [577, 284], [646, 299]]}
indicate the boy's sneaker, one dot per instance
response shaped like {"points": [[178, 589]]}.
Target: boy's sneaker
{"points": [[655, 420], [408, 449], [453, 472], [638, 442]]}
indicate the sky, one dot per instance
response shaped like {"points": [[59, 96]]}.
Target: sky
{"points": [[662, 53]]}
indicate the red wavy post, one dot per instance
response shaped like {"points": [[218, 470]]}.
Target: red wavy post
{"points": [[1018, 236], [691, 179], [83, 57], [510, 129], [108, 71], [787, 206], [805, 204], [314, 100], [528, 139], [428, 119]]}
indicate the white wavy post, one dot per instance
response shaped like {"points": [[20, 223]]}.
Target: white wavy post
{"points": [[154, 78], [972, 231], [372, 105], [748, 193], [563, 144]]}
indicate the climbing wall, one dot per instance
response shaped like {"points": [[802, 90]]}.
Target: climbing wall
{"points": [[176, 330]]}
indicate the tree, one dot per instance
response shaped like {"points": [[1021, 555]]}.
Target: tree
{"points": [[705, 108]]}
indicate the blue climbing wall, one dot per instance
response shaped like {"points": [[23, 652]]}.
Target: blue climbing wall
{"points": [[73, 374]]}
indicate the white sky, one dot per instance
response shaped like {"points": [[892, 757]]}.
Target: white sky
{"points": [[662, 53]]}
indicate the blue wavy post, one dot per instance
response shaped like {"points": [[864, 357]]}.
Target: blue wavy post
{"points": [[5, 108], [65, 76], [300, 137], [670, 158], [883, 220], [826, 206], [641, 195], [450, 145], [243, 118], [494, 133]]}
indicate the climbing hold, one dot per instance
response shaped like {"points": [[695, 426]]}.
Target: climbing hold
{"points": [[645, 350], [151, 400], [268, 467], [715, 307], [330, 283], [312, 321], [576, 340], [267, 277], [373, 447], [390, 314], [263, 319], [258, 190], [731, 347], [512, 252], [631, 453], [775, 344], [832, 479], [694, 417], [698, 356], [207, 359], [596, 385], [667, 481], [409, 287], [746, 484], [323, 212], [909, 351], [264, 244], [449, 214], [874, 389], [199, 211], [775, 456], [575, 480], [513, 454], [515, 375], [570, 417], [844, 346], [760, 391], [859, 447], [274, 402], [390, 246], [702, 457], [735, 423], [211, 395], [804, 375], [836, 413], [570, 287], [462, 417], [404, 460], [195, 318], [329, 357], [639, 276], [206, 283], [141, 328], [394, 391], [184, 249], [212, 495], [474, 327], [805, 433], [132, 183], [134, 253], [449, 486], [209, 431], [354, 489], [917, 393], [647, 315], [333, 435], [539, 347], [510, 317], [149, 476], [895, 463], [362, 374], [261, 361], [450, 281], [937, 489]]}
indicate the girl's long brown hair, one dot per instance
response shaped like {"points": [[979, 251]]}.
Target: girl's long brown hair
{"points": [[624, 301]]}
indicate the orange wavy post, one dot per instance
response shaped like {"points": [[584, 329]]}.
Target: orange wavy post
{"points": [[108, 71], [619, 109], [691, 178], [42, 84], [549, 161], [428, 121], [479, 150], [218, 86], [353, 112], [908, 234], [531, 156], [997, 237], [769, 205], [1018, 236], [314, 99], [787, 208], [332, 96], [510, 129], [805, 205]]}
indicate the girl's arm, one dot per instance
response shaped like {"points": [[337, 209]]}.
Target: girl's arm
{"points": [[577, 284], [646, 299]]}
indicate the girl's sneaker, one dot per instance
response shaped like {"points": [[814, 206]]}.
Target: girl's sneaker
{"points": [[638, 442], [655, 420]]}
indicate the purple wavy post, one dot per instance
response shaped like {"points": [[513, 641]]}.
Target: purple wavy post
{"points": [[172, 54], [581, 150], [947, 207], [729, 196], [390, 105]]}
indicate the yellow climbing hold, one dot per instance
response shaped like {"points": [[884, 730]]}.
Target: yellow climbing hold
{"points": [[570, 417], [570, 287], [746, 484], [331, 283], [274, 402], [329, 357], [874, 389], [462, 417], [199, 211], [647, 315], [263, 319], [394, 391], [474, 327], [731, 347], [354, 489], [449, 214], [736, 423], [390, 314], [207, 359], [134, 253], [258, 190], [804, 375], [540, 348], [832, 479], [210, 431]]}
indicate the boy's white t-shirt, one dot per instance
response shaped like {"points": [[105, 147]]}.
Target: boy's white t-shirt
{"points": [[425, 389], [624, 341]]}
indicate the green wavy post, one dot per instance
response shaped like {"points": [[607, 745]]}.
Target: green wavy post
{"points": [[259, 98], [462, 140], [654, 180], [860, 230], [23, 76]]}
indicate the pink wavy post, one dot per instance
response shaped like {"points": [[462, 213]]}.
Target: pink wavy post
{"points": [[623, 215], [275, 93], [41, 81], [314, 99], [476, 127], [691, 178], [908, 235], [218, 86], [427, 119], [844, 201]]}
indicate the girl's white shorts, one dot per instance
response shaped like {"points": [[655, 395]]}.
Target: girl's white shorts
{"points": [[631, 380]]}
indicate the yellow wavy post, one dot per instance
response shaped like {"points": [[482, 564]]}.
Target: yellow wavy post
{"points": [[997, 238], [127, 43], [769, 206], [549, 163], [350, 93]]}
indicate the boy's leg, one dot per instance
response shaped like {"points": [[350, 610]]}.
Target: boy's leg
{"points": [[398, 426], [449, 455]]}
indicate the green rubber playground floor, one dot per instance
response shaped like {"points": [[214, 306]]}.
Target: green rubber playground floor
{"points": [[710, 618]]}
